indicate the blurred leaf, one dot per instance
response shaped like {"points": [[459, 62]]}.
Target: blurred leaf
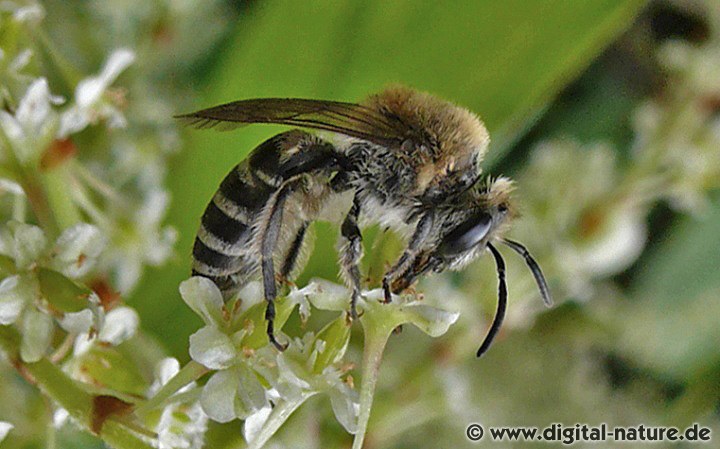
{"points": [[685, 263], [108, 368], [503, 60], [678, 287], [64, 294]]}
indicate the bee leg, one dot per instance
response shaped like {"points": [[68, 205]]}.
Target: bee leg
{"points": [[293, 253], [502, 302], [270, 233], [408, 256], [351, 253]]}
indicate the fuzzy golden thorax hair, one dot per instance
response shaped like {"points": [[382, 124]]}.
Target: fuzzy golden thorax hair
{"points": [[457, 139]]}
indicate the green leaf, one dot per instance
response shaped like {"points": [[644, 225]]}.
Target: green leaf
{"points": [[503, 60], [62, 293], [109, 368], [672, 327], [336, 336], [255, 318]]}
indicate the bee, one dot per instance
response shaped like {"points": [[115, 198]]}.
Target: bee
{"points": [[409, 160]]}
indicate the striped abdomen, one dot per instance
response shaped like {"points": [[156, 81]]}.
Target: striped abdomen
{"points": [[223, 245], [226, 247]]}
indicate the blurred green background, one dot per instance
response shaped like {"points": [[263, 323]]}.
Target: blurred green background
{"points": [[589, 104]]}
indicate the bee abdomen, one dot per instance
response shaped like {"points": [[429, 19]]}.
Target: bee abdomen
{"points": [[222, 249]]}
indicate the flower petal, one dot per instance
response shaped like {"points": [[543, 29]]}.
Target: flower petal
{"points": [[345, 406], [166, 369], [250, 396], [254, 423], [431, 320], [12, 299], [212, 348], [90, 90], [37, 330], [204, 298], [327, 295], [78, 322], [120, 324], [30, 242], [5, 427], [218, 395]]}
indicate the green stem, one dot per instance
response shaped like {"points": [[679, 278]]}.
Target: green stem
{"points": [[190, 372], [54, 383], [57, 192], [277, 418], [33, 188], [377, 331]]}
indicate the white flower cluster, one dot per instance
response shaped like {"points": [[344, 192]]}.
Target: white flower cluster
{"points": [[256, 383]]}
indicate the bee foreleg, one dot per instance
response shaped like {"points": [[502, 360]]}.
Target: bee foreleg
{"points": [[269, 237], [351, 253], [422, 230]]}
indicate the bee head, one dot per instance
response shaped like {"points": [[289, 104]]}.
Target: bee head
{"points": [[482, 215]]}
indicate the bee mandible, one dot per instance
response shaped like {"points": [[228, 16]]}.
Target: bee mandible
{"points": [[410, 162]]}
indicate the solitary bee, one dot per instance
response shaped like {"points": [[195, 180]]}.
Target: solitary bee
{"points": [[410, 161]]}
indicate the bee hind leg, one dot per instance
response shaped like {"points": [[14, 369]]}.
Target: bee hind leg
{"points": [[422, 230], [270, 233], [351, 253], [293, 253]]}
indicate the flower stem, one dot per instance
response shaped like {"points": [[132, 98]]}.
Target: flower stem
{"points": [[190, 372], [277, 418], [377, 329], [58, 197]]}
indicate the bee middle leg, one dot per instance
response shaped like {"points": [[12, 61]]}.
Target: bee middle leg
{"points": [[408, 256], [351, 253]]}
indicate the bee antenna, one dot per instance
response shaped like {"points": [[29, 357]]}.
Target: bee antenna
{"points": [[534, 267], [502, 302]]}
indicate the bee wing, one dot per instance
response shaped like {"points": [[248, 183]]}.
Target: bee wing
{"points": [[350, 119]]}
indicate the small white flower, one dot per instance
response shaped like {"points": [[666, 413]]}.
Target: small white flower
{"points": [[13, 299], [90, 104], [32, 127], [77, 249], [119, 325], [180, 425]]}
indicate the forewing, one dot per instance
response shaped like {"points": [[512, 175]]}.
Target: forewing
{"points": [[350, 119]]}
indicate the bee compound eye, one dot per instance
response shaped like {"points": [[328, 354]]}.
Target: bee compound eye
{"points": [[466, 235]]}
